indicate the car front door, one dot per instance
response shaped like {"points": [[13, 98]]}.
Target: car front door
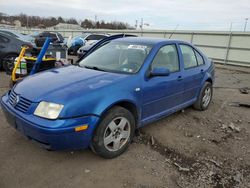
{"points": [[162, 94], [193, 73]]}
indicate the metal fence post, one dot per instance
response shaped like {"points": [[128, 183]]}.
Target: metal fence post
{"points": [[164, 36], [228, 47], [192, 37]]}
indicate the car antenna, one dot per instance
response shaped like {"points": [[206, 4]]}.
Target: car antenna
{"points": [[173, 31]]}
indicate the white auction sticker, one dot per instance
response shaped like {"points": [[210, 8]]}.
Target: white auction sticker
{"points": [[139, 47]]}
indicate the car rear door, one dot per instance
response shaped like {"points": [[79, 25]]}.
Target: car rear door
{"points": [[193, 73], [162, 94]]}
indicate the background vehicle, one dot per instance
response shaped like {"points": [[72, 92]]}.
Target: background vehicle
{"points": [[88, 49], [85, 48], [10, 48], [100, 104], [81, 40], [55, 38]]}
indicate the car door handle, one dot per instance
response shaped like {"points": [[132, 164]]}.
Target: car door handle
{"points": [[202, 71], [179, 78]]}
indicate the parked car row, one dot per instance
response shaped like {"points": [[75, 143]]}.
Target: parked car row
{"points": [[11, 42]]}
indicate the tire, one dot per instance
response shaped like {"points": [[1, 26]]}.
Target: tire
{"points": [[8, 62], [203, 102], [114, 133]]}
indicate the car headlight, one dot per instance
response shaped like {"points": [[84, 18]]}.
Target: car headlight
{"points": [[48, 110]]}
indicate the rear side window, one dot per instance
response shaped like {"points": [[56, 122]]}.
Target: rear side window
{"points": [[199, 58], [189, 57], [167, 57]]}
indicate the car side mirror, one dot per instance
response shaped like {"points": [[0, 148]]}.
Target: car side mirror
{"points": [[159, 71]]}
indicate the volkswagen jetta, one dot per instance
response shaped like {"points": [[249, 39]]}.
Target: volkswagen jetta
{"points": [[124, 84]]}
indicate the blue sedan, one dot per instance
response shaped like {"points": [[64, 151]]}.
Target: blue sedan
{"points": [[124, 84]]}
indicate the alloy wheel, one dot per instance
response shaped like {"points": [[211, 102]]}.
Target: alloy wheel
{"points": [[117, 134], [206, 97]]}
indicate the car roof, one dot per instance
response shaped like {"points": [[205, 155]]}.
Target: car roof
{"points": [[15, 35], [146, 40], [10, 37], [11, 33], [105, 34]]}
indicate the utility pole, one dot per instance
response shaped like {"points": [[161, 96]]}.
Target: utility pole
{"points": [[246, 20], [141, 25], [231, 26], [95, 20], [27, 19], [136, 24]]}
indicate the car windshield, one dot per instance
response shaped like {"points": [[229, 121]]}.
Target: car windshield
{"points": [[120, 57]]}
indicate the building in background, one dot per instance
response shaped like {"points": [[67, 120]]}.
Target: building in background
{"points": [[17, 23], [63, 26]]}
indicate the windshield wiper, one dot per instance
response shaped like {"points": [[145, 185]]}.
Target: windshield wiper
{"points": [[94, 68]]}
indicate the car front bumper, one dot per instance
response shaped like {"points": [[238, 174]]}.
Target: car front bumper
{"points": [[57, 134]]}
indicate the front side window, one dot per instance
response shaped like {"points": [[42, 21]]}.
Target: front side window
{"points": [[117, 57], [189, 58], [167, 57]]}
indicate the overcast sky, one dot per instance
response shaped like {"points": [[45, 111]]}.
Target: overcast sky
{"points": [[160, 14]]}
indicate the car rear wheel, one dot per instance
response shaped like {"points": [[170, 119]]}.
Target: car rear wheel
{"points": [[8, 62], [205, 97], [114, 133]]}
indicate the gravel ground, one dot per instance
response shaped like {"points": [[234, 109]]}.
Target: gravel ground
{"points": [[187, 149]]}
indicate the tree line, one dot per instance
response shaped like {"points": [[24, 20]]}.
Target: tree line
{"points": [[37, 21], [89, 24]]}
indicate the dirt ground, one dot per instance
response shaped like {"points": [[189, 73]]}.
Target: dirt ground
{"points": [[188, 149]]}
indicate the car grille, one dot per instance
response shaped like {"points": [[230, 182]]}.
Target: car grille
{"points": [[21, 105]]}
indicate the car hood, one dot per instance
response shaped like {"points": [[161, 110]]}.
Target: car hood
{"points": [[61, 84]]}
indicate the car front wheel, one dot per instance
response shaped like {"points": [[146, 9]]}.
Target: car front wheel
{"points": [[114, 133], [205, 97]]}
